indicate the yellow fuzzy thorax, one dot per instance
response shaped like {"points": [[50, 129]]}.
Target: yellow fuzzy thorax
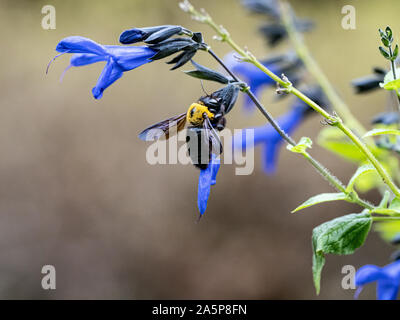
{"points": [[195, 114]]}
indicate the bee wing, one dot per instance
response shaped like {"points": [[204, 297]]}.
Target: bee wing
{"points": [[162, 128], [212, 135]]}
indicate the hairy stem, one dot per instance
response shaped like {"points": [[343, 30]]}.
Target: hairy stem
{"points": [[333, 180], [332, 120], [311, 65], [260, 107]]}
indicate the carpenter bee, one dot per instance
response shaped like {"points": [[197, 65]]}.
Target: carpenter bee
{"points": [[204, 117]]}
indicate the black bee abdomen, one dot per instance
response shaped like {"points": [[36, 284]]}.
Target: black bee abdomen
{"points": [[199, 148]]}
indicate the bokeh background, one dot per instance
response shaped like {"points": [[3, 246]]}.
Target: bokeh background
{"points": [[76, 191]]}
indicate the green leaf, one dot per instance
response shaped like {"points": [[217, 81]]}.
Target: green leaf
{"points": [[389, 33], [395, 204], [389, 83], [337, 142], [367, 168], [379, 131], [301, 146], [382, 33], [395, 52], [319, 198], [340, 236], [384, 52], [385, 42]]}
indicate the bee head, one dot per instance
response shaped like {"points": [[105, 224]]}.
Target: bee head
{"points": [[196, 112]]}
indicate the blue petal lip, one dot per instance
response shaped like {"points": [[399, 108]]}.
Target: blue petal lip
{"points": [[207, 178], [204, 188], [119, 59], [388, 279], [111, 73], [270, 138], [83, 59], [77, 44]]}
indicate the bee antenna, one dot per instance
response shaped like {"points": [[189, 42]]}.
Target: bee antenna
{"points": [[201, 82]]}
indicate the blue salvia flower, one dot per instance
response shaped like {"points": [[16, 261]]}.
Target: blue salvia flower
{"points": [[388, 279], [257, 79], [269, 138], [207, 179], [118, 59]]}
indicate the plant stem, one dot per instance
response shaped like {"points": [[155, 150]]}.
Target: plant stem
{"points": [[247, 90], [333, 180], [312, 66], [365, 150], [392, 63], [332, 120], [385, 218]]}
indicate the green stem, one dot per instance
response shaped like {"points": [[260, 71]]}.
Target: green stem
{"points": [[368, 154], [332, 120], [312, 66], [385, 218], [258, 104], [333, 180], [392, 63]]}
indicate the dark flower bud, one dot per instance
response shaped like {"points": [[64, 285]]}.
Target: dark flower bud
{"points": [[267, 7], [276, 32], [163, 34], [171, 46], [387, 118], [188, 46], [396, 239], [370, 82], [149, 34]]}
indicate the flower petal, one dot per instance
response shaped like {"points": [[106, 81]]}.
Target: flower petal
{"points": [[270, 157], [367, 274], [132, 36], [215, 165], [77, 44], [387, 290], [204, 187], [108, 76], [83, 59], [129, 58]]}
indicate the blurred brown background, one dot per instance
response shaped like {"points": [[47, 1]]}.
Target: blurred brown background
{"points": [[76, 191]]}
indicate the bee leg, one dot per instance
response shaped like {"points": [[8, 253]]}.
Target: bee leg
{"points": [[220, 125]]}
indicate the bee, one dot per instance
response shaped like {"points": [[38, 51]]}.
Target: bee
{"points": [[204, 118]]}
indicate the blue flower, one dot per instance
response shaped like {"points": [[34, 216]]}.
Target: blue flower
{"points": [[269, 138], [388, 279], [257, 79], [207, 179], [118, 59]]}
